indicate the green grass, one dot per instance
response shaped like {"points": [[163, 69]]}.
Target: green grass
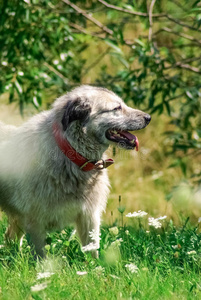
{"points": [[167, 267]]}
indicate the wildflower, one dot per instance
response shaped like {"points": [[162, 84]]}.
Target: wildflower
{"points": [[39, 287], [139, 214], [72, 235], [99, 270], [121, 209], [47, 247], [90, 247], [175, 246], [199, 219], [114, 276], [154, 222], [81, 273], [44, 275], [127, 232], [132, 268], [117, 242], [162, 218], [114, 230], [191, 252]]}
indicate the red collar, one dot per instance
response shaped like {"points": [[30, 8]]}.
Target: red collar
{"points": [[83, 163]]}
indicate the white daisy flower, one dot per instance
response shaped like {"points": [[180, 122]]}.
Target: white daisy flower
{"points": [[117, 242], [154, 222], [162, 218], [81, 273], [191, 252], [132, 268], [44, 275], [39, 287], [139, 214]]}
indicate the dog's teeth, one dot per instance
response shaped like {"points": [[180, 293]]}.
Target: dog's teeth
{"points": [[133, 141]]}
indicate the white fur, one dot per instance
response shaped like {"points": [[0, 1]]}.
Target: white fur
{"points": [[40, 188]]}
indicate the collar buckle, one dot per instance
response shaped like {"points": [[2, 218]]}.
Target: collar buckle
{"points": [[103, 164]]}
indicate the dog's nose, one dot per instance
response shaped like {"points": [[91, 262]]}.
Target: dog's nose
{"points": [[147, 118]]}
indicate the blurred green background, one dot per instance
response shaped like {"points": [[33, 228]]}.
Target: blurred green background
{"points": [[149, 53]]}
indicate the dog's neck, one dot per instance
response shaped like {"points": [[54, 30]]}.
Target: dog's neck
{"points": [[85, 164]]}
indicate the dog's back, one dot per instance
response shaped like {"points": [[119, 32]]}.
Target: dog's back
{"points": [[6, 131]]}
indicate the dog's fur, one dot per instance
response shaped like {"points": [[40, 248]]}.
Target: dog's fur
{"points": [[40, 188]]}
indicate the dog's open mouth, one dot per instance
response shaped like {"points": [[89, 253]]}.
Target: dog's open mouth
{"points": [[124, 138]]}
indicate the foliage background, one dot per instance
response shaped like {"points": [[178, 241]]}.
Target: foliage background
{"points": [[148, 52]]}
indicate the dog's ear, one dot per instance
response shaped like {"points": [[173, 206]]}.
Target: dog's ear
{"points": [[75, 110]]}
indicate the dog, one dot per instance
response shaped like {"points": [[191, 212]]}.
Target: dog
{"points": [[53, 167]]}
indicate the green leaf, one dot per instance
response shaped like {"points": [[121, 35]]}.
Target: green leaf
{"points": [[114, 46], [167, 107], [188, 93], [18, 87], [11, 96], [140, 42]]}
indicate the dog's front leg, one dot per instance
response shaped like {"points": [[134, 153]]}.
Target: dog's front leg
{"points": [[14, 230], [88, 228], [36, 238]]}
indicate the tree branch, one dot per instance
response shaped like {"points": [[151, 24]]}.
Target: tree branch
{"points": [[150, 19], [89, 17], [175, 97], [52, 69], [185, 36], [135, 13], [187, 67], [184, 65], [187, 60], [182, 24], [83, 30]]}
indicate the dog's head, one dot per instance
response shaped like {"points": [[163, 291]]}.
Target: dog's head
{"points": [[97, 115]]}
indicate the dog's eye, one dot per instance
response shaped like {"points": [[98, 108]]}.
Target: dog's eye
{"points": [[118, 107]]}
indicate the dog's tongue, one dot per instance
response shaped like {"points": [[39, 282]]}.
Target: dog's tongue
{"points": [[130, 137]]}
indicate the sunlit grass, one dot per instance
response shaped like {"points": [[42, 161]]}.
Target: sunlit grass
{"points": [[136, 261]]}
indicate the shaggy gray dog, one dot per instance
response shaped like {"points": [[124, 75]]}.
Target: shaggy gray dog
{"points": [[53, 168]]}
